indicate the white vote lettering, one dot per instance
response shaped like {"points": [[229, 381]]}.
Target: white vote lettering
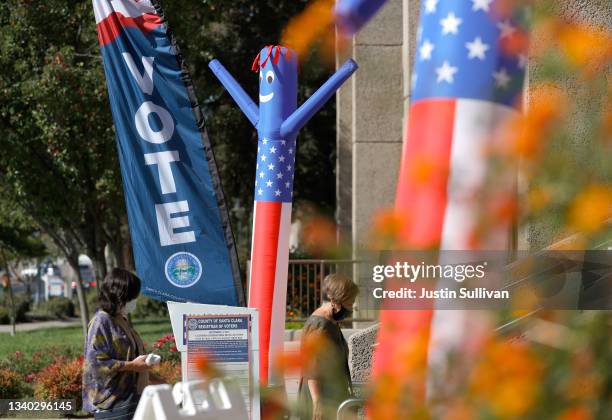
{"points": [[144, 80], [163, 161], [144, 128], [166, 224]]}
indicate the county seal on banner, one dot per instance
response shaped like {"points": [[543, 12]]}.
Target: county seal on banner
{"points": [[182, 240]]}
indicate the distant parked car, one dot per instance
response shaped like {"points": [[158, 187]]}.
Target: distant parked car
{"points": [[55, 286]]}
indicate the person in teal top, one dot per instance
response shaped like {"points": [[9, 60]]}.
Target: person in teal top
{"points": [[326, 380]]}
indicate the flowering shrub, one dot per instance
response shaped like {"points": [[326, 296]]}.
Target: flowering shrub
{"points": [[60, 380], [166, 348], [11, 384], [27, 364], [169, 371]]}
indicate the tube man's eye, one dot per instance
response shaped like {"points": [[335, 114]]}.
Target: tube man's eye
{"points": [[270, 77]]}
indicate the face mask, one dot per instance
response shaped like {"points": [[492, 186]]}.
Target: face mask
{"points": [[342, 314], [129, 307]]}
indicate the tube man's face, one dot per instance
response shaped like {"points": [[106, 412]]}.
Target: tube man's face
{"points": [[277, 90]]}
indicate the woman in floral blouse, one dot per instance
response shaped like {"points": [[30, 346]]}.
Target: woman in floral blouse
{"points": [[114, 369]]}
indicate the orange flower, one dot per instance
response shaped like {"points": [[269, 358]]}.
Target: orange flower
{"points": [[538, 198], [314, 23], [206, 367], [507, 378], [387, 225], [576, 413], [546, 105], [319, 235], [591, 208], [586, 47], [311, 346]]}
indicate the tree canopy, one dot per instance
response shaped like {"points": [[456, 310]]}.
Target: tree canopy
{"points": [[59, 159]]}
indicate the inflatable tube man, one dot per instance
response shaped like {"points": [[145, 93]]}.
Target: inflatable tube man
{"points": [[277, 121]]}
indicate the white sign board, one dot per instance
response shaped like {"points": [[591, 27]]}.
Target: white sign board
{"points": [[228, 336]]}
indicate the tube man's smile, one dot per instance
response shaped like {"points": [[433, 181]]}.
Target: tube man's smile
{"points": [[266, 98]]}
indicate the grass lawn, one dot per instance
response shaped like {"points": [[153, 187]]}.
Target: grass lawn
{"points": [[72, 337]]}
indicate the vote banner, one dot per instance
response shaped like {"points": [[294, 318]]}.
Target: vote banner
{"points": [[182, 240]]}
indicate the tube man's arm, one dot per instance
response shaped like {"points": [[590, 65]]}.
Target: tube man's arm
{"points": [[243, 100], [301, 115]]}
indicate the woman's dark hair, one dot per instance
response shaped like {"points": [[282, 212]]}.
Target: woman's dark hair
{"points": [[118, 288]]}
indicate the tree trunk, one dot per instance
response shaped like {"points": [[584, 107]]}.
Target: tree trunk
{"points": [[99, 265], [12, 304], [128, 256], [73, 260], [12, 314]]}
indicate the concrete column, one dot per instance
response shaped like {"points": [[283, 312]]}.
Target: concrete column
{"points": [[370, 124]]}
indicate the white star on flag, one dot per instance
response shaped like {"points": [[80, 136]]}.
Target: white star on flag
{"points": [[279, 175], [288, 167], [283, 142], [450, 24], [261, 174], [281, 159], [446, 72], [272, 149], [481, 5], [290, 151], [430, 6], [265, 141], [476, 48], [271, 166], [263, 158], [277, 192], [501, 78], [260, 191], [287, 184], [506, 28], [426, 50], [269, 184]]}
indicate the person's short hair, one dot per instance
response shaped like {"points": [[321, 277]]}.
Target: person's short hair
{"points": [[338, 287], [118, 288]]}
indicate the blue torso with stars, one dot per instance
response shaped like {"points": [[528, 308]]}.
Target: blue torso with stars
{"points": [[277, 101], [463, 52]]}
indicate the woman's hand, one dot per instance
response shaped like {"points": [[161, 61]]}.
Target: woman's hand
{"points": [[138, 364]]}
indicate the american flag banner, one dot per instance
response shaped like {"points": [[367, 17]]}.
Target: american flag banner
{"points": [[467, 78], [270, 240]]}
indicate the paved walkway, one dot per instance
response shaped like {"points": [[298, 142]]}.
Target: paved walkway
{"points": [[32, 326]]}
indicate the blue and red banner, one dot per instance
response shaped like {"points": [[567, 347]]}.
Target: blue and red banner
{"points": [[182, 240]]}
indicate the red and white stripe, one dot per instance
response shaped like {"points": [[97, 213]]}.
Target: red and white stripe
{"points": [[268, 279], [448, 141], [114, 15]]}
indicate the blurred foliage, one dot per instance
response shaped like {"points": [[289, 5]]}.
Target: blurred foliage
{"points": [[564, 140]]}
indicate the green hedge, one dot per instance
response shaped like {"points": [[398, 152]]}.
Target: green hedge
{"points": [[147, 308], [22, 306], [57, 307]]}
